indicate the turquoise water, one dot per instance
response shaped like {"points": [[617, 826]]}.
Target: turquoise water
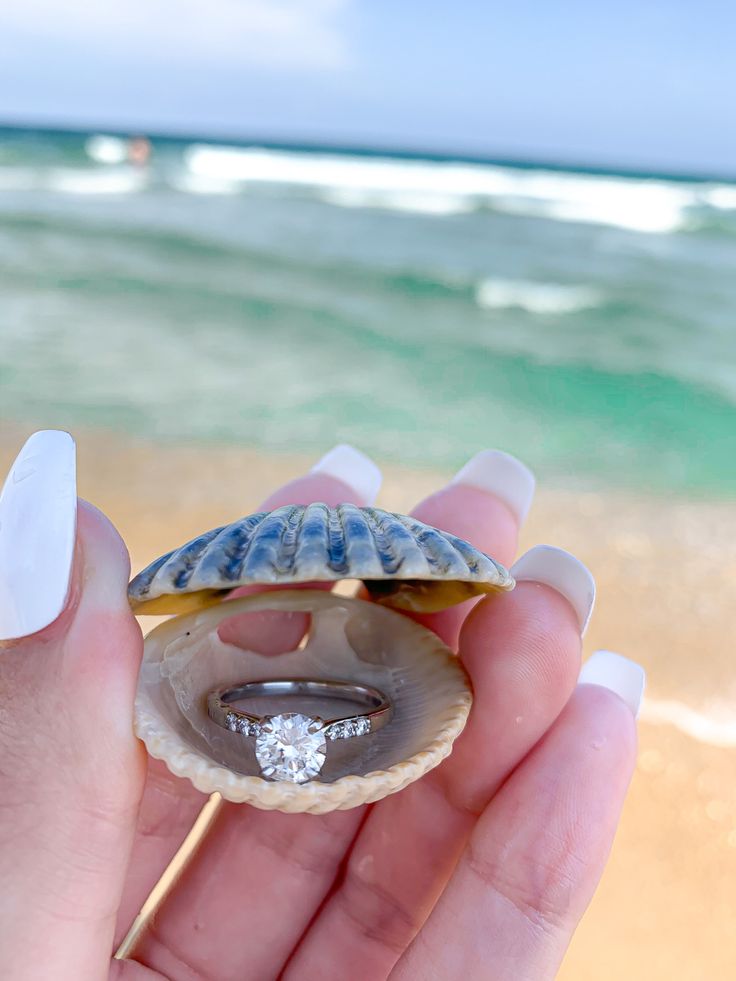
{"points": [[420, 308]]}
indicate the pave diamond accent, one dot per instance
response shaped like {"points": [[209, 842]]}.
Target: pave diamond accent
{"points": [[236, 723], [346, 728], [290, 747]]}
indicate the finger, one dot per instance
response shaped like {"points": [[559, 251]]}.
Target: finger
{"points": [[537, 852], [522, 651], [71, 771], [171, 805], [486, 503], [290, 860], [343, 475]]}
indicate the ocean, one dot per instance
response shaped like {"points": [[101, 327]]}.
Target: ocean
{"points": [[418, 307]]}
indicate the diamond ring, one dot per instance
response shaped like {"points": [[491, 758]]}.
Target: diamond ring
{"points": [[292, 746]]}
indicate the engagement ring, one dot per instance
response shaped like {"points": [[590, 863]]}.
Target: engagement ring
{"points": [[292, 746]]}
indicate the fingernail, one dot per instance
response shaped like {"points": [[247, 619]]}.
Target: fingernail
{"points": [[38, 519], [352, 467], [619, 674], [503, 476], [562, 571]]}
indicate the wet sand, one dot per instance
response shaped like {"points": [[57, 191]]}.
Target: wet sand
{"points": [[666, 575]]}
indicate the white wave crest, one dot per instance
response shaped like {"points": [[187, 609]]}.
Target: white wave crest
{"points": [[73, 180], [635, 208], [411, 201], [444, 187], [721, 196], [106, 149], [79, 181], [552, 298], [190, 183], [717, 728]]}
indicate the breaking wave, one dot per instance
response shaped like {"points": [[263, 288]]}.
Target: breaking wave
{"points": [[447, 187], [73, 180], [541, 298], [431, 187], [412, 201]]}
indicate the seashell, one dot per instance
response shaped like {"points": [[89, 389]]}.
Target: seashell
{"points": [[348, 639], [210, 645], [403, 562]]}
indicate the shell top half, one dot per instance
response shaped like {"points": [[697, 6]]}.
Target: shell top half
{"points": [[403, 562]]}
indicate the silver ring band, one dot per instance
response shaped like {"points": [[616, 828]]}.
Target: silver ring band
{"points": [[291, 745]]}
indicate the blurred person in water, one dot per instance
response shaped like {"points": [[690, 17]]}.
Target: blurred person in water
{"points": [[139, 151]]}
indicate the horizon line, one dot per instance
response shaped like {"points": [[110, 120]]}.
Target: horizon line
{"points": [[176, 135]]}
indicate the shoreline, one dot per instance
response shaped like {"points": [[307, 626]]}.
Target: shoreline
{"points": [[670, 562], [666, 576], [647, 553]]}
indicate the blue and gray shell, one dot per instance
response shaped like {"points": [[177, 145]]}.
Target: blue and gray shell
{"points": [[403, 562]]}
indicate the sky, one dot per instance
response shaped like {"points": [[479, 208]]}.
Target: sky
{"points": [[638, 83]]}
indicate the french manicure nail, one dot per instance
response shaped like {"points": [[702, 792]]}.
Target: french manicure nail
{"points": [[621, 675], [562, 571], [38, 520], [503, 476], [354, 468]]}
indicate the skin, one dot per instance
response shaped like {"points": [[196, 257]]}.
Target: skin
{"points": [[480, 870]]}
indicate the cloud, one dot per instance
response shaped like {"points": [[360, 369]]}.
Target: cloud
{"points": [[298, 34]]}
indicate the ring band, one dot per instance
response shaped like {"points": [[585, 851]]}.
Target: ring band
{"points": [[292, 746]]}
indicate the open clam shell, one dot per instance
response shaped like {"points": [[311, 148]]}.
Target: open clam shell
{"points": [[404, 563], [350, 640]]}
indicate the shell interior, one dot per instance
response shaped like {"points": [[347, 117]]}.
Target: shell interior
{"points": [[347, 639]]}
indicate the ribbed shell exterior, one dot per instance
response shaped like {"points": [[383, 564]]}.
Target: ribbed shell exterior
{"points": [[311, 543]]}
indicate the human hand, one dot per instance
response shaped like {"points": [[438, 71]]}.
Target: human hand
{"points": [[482, 869]]}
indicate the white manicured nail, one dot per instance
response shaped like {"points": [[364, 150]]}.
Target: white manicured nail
{"points": [[38, 527], [503, 476], [624, 677], [354, 468], [562, 571]]}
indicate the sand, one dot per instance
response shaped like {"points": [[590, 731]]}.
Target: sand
{"points": [[666, 576]]}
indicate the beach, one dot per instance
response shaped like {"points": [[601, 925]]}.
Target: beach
{"points": [[209, 324], [666, 578]]}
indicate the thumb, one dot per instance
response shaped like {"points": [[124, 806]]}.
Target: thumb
{"points": [[71, 770]]}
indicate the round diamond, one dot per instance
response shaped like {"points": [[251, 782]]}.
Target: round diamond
{"points": [[291, 747]]}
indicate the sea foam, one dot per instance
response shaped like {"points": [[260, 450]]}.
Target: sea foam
{"points": [[541, 298], [649, 205], [410, 201], [73, 180], [70, 180], [106, 149]]}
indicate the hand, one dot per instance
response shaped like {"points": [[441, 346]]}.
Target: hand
{"points": [[480, 870]]}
